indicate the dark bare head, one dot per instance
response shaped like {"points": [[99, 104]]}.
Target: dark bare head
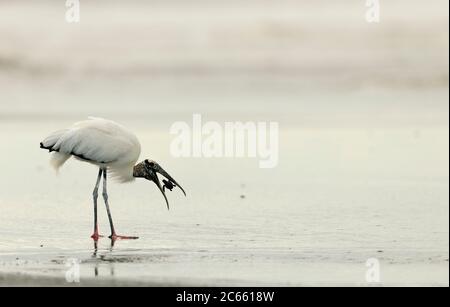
{"points": [[149, 170]]}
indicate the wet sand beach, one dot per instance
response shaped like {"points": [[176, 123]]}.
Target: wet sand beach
{"points": [[363, 165]]}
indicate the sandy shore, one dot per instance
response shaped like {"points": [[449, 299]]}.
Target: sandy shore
{"points": [[363, 158], [320, 230]]}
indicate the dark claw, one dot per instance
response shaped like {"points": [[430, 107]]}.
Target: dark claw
{"points": [[168, 185]]}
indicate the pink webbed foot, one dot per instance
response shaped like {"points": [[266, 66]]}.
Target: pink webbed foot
{"points": [[115, 237], [96, 236]]}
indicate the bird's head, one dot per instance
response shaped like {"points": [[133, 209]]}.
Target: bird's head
{"points": [[149, 170]]}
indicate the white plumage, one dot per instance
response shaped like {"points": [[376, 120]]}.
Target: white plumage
{"points": [[98, 141]]}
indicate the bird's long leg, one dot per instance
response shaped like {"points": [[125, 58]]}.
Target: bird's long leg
{"points": [[113, 236], [105, 198], [96, 235]]}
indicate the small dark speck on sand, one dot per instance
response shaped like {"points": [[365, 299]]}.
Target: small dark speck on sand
{"points": [[242, 196], [380, 251], [41, 245]]}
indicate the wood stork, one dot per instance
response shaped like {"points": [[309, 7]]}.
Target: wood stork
{"points": [[114, 150]]}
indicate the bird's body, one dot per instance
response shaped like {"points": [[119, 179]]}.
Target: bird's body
{"points": [[98, 141], [110, 147]]}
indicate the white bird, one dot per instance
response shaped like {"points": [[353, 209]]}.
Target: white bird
{"points": [[114, 150]]}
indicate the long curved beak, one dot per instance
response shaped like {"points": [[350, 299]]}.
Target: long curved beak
{"points": [[165, 174], [158, 184], [153, 176]]}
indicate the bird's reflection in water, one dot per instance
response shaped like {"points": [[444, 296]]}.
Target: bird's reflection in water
{"points": [[100, 259]]}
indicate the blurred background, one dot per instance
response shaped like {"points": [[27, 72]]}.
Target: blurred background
{"points": [[302, 62], [363, 112]]}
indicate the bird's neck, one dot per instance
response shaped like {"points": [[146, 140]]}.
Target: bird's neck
{"points": [[139, 171]]}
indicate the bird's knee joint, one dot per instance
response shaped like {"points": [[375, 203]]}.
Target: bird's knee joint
{"points": [[105, 195], [95, 194]]}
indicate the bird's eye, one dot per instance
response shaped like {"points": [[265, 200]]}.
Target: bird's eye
{"points": [[151, 164]]}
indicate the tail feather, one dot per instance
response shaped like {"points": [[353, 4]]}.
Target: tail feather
{"points": [[52, 139], [58, 159]]}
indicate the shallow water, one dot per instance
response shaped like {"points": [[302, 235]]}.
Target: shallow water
{"points": [[338, 198], [363, 168]]}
